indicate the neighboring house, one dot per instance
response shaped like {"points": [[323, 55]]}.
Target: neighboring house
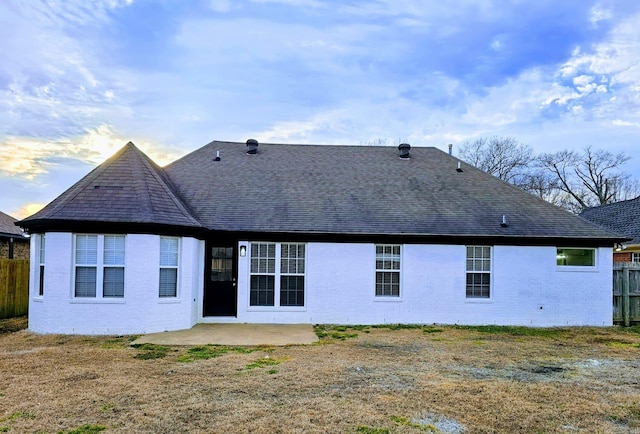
{"points": [[13, 243], [623, 218], [309, 234]]}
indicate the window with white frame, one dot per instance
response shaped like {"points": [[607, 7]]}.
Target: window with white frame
{"points": [[387, 270], [41, 246], [168, 267], [635, 257], [277, 286], [99, 264], [478, 272], [574, 257], [263, 274], [292, 274]]}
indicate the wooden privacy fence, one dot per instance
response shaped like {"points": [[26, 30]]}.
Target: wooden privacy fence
{"points": [[626, 293], [14, 287]]}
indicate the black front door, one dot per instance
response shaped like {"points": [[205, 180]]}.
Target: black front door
{"points": [[220, 290]]}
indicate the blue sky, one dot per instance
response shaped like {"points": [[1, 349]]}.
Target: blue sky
{"points": [[79, 79]]}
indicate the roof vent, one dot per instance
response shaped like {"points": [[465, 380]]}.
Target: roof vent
{"points": [[459, 168], [217, 156], [450, 149], [404, 150], [504, 221], [252, 146]]}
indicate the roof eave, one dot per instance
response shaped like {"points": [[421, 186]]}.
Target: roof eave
{"points": [[92, 226], [416, 238], [15, 236]]}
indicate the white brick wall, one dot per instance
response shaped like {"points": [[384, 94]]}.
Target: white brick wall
{"points": [[140, 311], [527, 289]]}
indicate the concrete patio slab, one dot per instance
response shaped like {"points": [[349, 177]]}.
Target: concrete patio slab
{"points": [[235, 335]]}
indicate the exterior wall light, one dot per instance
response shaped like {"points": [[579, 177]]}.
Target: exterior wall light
{"points": [[243, 251]]}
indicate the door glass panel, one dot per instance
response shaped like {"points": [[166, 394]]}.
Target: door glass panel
{"points": [[221, 264]]}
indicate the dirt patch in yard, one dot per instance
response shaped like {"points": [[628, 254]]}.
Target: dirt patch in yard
{"points": [[355, 380]]}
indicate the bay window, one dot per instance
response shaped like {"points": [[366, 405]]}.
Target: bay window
{"points": [[168, 267], [99, 266]]}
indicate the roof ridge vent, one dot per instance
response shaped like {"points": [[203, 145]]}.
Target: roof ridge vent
{"points": [[404, 149], [252, 147]]}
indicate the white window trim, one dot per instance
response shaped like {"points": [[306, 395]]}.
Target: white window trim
{"points": [[635, 255], [177, 298], [38, 245], [480, 300], [388, 298], [578, 268], [100, 266], [276, 284], [281, 273]]}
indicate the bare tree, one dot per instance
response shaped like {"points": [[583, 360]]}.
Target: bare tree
{"points": [[542, 184], [573, 180], [589, 178], [504, 157]]}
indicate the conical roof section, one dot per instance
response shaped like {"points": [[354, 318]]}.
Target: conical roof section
{"points": [[127, 188]]}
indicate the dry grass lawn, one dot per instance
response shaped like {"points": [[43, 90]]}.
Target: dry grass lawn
{"points": [[356, 380]]}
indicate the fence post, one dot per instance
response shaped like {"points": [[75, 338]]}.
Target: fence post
{"points": [[625, 296]]}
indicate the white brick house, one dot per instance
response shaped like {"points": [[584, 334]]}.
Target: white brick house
{"points": [[309, 234]]}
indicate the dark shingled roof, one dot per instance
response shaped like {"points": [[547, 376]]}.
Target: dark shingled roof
{"points": [[621, 217], [311, 190], [8, 227], [128, 187], [360, 190]]}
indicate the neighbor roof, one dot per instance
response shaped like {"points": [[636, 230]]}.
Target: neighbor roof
{"points": [[8, 227], [622, 217], [127, 188], [341, 191]]}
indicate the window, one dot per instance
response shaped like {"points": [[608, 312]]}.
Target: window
{"points": [[99, 263], [575, 257], [41, 242], [635, 257], [292, 275], [478, 271], [387, 270], [263, 270], [221, 264], [277, 286], [168, 267], [113, 282]]}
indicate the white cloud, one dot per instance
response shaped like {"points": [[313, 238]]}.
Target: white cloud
{"points": [[330, 123], [614, 62], [295, 3], [582, 80], [26, 210], [221, 6], [497, 44], [54, 85], [622, 123], [30, 158], [68, 12], [599, 13]]}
